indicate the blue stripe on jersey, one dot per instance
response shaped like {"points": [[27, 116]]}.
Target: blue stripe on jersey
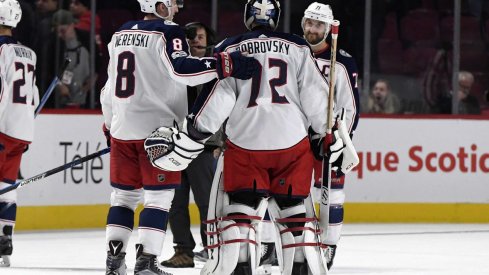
{"points": [[153, 218], [121, 186], [9, 181], [161, 187], [119, 215], [336, 214], [4, 39], [256, 34], [8, 213]]}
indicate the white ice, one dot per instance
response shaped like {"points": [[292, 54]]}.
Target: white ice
{"points": [[424, 249]]}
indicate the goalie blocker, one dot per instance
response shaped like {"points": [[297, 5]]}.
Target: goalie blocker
{"points": [[170, 149]]}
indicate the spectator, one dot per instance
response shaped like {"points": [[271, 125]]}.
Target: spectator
{"points": [[381, 100], [72, 90], [45, 44], [199, 174], [468, 104], [81, 10]]}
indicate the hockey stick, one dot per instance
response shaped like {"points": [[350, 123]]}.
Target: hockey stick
{"points": [[51, 87], [54, 170], [326, 187]]}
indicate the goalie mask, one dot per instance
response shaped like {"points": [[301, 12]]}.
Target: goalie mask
{"points": [[318, 12], [149, 6], [262, 13], [10, 13]]}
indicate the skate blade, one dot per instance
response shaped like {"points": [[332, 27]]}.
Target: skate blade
{"points": [[4, 261]]}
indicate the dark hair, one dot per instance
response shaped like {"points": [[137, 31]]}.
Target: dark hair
{"points": [[191, 32]]}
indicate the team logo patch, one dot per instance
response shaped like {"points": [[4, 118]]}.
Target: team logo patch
{"points": [[342, 52], [178, 54], [161, 177]]}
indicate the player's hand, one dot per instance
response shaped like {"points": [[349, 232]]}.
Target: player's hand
{"points": [[107, 134], [236, 65], [333, 146], [316, 140]]}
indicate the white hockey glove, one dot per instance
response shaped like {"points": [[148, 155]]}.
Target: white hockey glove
{"points": [[349, 157], [333, 146], [170, 149]]}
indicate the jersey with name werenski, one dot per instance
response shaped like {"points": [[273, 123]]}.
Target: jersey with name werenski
{"points": [[148, 72], [19, 95], [274, 109], [346, 85]]}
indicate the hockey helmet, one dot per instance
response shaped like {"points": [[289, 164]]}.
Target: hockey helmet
{"points": [[319, 12], [149, 6], [262, 12], [10, 13]]}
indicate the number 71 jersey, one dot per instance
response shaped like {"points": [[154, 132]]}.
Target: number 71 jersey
{"points": [[274, 109]]}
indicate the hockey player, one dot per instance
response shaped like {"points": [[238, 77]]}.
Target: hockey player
{"points": [[268, 154], [148, 72], [316, 25], [18, 99]]}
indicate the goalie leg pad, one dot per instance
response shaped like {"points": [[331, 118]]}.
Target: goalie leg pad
{"points": [[237, 232], [299, 237]]}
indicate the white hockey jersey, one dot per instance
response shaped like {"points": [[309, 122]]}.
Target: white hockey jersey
{"points": [[346, 85], [19, 95], [148, 73], [274, 109]]}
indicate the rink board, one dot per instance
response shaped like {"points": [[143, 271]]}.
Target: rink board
{"points": [[412, 170]]}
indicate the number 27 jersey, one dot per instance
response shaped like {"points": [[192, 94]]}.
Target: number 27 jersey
{"points": [[274, 109]]}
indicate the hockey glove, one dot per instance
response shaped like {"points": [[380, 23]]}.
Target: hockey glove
{"points": [[236, 65], [333, 146], [316, 141], [107, 134], [170, 149]]}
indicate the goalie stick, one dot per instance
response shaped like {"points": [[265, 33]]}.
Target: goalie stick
{"points": [[54, 170], [326, 185]]}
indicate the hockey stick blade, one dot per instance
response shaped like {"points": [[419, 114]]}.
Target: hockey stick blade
{"points": [[54, 170], [51, 87]]}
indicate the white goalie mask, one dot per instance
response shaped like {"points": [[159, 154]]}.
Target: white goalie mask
{"points": [[10, 13], [149, 6], [319, 12]]}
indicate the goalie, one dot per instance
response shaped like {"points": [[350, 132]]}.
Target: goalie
{"points": [[268, 162]]}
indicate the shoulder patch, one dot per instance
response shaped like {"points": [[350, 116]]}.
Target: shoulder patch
{"points": [[343, 53], [171, 23]]}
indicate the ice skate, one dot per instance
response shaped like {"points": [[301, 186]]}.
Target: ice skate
{"points": [[5, 250], [330, 252], [147, 264], [115, 263]]}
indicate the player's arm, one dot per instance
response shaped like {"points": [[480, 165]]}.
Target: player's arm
{"points": [[5, 61], [347, 95], [194, 71], [313, 91], [106, 97], [213, 106]]}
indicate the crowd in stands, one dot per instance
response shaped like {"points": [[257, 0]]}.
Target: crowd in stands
{"points": [[411, 42]]}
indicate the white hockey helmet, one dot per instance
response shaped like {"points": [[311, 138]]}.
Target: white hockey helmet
{"points": [[149, 6], [262, 12], [319, 12], [10, 13]]}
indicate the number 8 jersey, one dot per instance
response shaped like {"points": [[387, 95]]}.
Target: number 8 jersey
{"points": [[19, 95], [148, 72], [274, 109]]}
